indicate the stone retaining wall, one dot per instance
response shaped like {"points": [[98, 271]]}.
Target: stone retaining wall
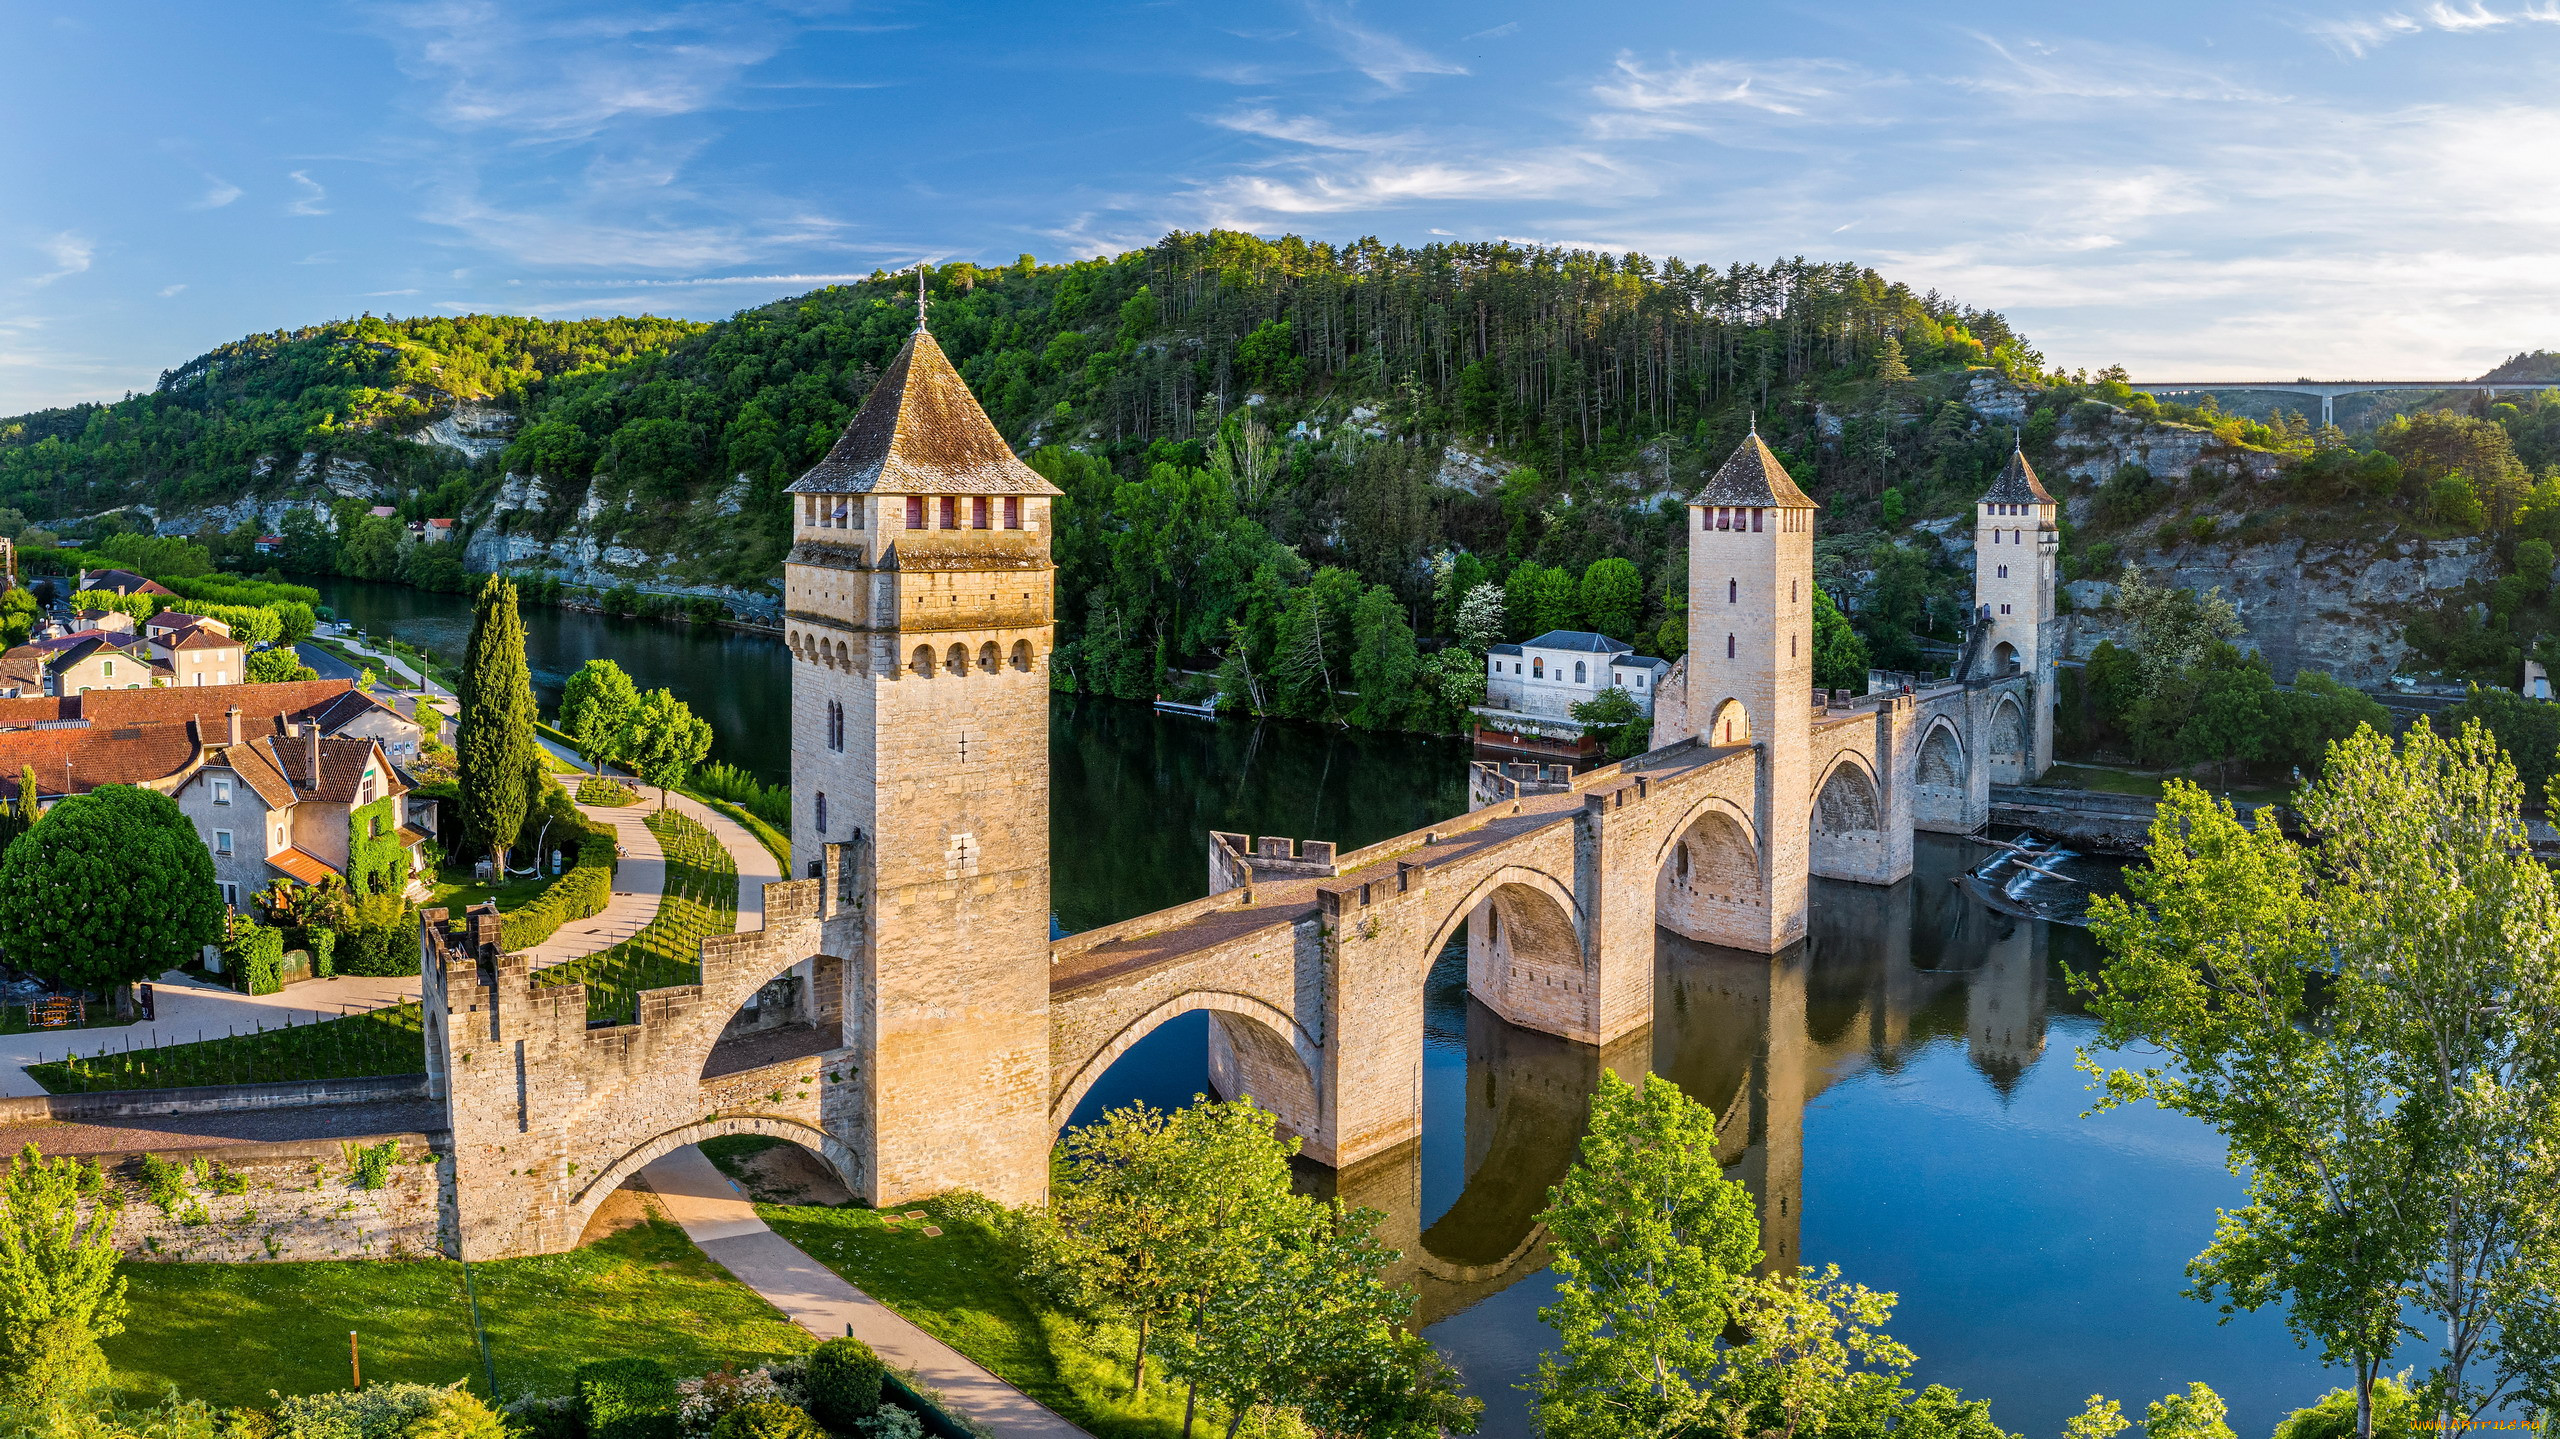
{"points": [[296, 1200]]}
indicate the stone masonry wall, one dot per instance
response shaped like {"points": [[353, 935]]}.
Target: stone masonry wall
{"points": [[250, 1203]]}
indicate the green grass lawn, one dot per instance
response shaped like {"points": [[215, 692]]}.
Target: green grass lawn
{"points": [[228, 1333], [964, 1288], [456, 890], [700, 900], [378, 1041]]}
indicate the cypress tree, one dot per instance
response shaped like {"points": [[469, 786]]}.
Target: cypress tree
{"points": [[494, 743], [19, 815]]}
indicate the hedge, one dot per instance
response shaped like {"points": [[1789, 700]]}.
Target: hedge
{"points": [[586, 889], [254, 954]]}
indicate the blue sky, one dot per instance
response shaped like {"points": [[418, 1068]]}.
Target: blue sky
{"points": [[2192, 190]]}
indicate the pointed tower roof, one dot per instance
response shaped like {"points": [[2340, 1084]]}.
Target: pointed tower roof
{"points": [[2017, 484], [921, 432], [1754, 479]]}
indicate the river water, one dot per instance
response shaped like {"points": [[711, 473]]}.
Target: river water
{"points": [[1898, 1092]]}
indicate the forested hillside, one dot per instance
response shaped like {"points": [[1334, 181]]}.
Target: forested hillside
{"points": [[1299, 460], [234, 421]]}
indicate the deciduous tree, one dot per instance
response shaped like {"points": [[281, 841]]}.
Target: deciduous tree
{"points": [[662, 739], [60, 1293], [594, 705], [110, 887]]}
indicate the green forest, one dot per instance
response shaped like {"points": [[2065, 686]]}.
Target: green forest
{"points": [[1298, 462]]}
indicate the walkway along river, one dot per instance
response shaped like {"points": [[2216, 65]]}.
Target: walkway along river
{"points": [[1898, 1092]]}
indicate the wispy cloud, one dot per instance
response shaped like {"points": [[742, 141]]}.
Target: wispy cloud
{"points": [[312, 195], [511, 69], [1384, 58], [218, 193], [2358, 35], [71, 255], [1306, 130], [168, 290]]}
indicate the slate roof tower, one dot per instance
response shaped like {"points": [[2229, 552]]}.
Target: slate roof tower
{"points": [[2016, 549], [918, 607]]}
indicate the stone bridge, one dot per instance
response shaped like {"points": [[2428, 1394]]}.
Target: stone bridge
{"points": [[948, 1037], [1311, 964]]}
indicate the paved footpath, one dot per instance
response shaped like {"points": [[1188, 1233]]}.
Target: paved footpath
{"points": [[638, 879], [701, 1199]]}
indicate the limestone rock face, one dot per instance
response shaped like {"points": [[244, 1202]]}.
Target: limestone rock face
{"points": [[472, 429]]}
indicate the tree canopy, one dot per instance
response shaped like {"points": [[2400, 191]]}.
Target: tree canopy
{"points": [[109, 887]]}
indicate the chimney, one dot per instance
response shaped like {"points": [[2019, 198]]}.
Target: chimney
{"points": [[234, 717], [312, 728]]}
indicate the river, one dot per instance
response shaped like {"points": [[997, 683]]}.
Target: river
{"points": [[1899, 1092]]}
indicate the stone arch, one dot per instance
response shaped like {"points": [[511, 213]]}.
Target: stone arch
{"points": [[1524, 933], [1022, 654], [987, 660], [1281, 1028], [1942, 781], [1848, 823], [957, 660], [922, 662], [1707, 882], [612, 1176], [1731, 725], [2004, 658], [2008, 747]]}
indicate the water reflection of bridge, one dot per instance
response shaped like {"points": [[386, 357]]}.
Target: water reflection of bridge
{"points": [[1754, 1037]]}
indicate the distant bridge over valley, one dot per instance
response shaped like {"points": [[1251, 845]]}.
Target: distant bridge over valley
{"points": [[2329, 390]]}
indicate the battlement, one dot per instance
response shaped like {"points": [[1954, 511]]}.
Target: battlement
{"points": [[1236, 861]]}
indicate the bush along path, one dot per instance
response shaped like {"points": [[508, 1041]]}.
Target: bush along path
{"points": [[699, 900]]}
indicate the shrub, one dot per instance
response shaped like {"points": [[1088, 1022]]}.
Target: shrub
{"points": [[381, 937], [586, 888], [627, 1399], [767, 1419], [323, 944], [541, 1417], [453, 1414], [844, 1382], [609, 792], [244, 1423], [254, 954], [891, 1423], [383, 1411], [2334, 1417]]}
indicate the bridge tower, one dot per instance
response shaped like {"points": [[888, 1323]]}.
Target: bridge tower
{"points": [[2016, 547], [1750, 667], [918, 608]]}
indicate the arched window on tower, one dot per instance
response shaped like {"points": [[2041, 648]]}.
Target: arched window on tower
{"points": [[1733, 592]]}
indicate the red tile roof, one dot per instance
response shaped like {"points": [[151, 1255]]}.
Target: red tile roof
{"points": [[259, 704], [123, 582], [300, 866]]}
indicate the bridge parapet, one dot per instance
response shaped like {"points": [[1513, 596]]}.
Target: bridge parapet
{"points": [[1236, 861]]}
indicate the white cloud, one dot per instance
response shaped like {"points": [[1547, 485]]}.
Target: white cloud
{"points": [[312, 195], [1382, 57], [168, 290], [505, 69], [218, 193], [2360, 34], [71, 254], [1673, 96]]}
